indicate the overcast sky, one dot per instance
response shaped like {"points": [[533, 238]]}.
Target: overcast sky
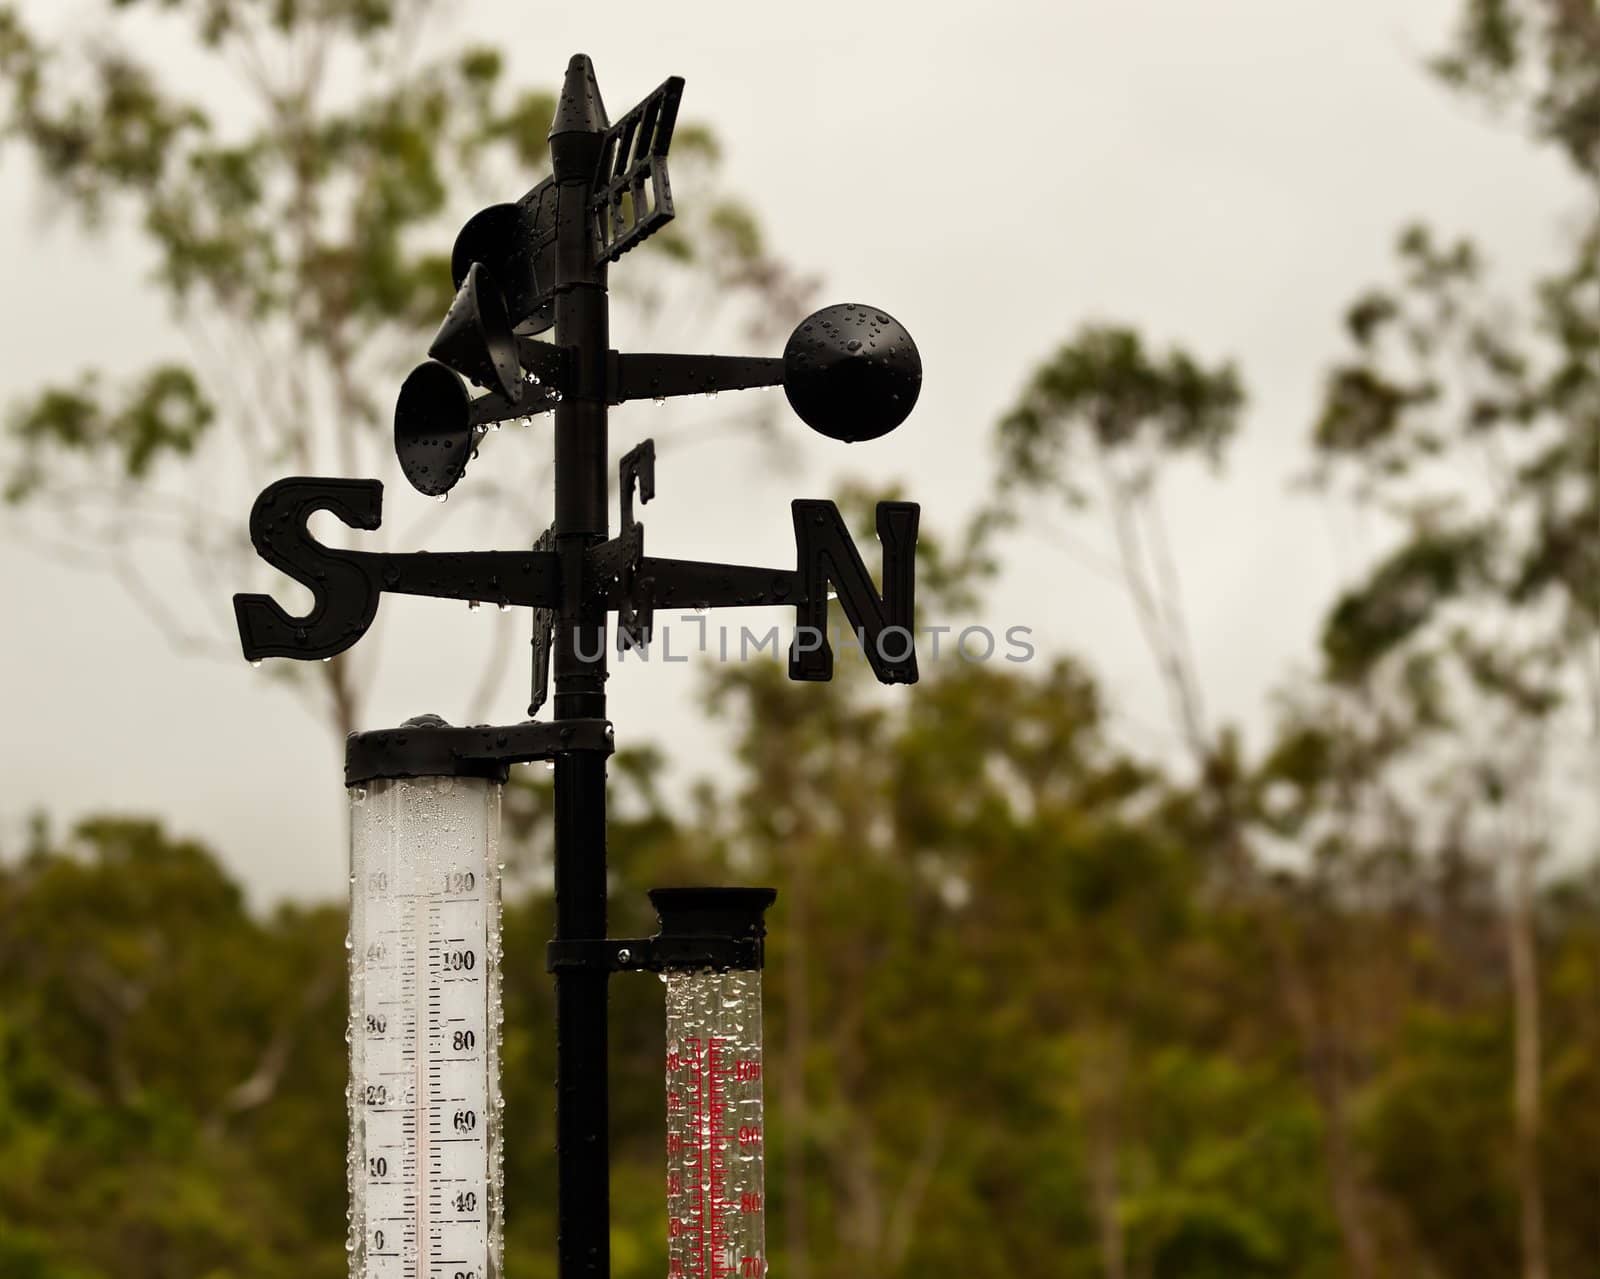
{"points": [[1224, 174]]}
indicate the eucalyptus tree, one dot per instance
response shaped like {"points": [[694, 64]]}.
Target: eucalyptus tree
{"points": [[1469, 418]]}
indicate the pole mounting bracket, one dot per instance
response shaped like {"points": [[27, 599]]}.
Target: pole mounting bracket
{"points": [[429, 747], [701, 928]]}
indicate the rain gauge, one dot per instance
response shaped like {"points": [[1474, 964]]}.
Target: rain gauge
{"points": [[715, 1125], [425, 1148], [424, 1156]]}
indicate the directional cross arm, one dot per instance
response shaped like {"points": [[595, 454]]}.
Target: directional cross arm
{"points": [[488, 409], [639, 377], [346, 585], [526, 578], [664, 583], [623, 578], [546, 361], [547, 365], [628, 377]]}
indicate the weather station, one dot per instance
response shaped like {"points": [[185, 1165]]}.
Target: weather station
{"points": [[427, 1126]]}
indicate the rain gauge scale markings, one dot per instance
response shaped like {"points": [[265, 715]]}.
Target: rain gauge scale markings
{"points": [[424, 1000], [714, 1126]]}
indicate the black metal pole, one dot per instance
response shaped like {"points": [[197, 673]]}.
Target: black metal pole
{"points": [[579, 661]]}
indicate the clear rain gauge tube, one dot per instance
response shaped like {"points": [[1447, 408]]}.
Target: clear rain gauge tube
{"points": [[425, 1159], [716, 1194]]}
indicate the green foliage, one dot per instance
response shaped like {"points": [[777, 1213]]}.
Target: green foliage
{"points": [[1443, 382], [1540, 55], [297, 223], [163, 412], [1103, 393], [1401, 596], [142, 1035], [1442, 1104]]}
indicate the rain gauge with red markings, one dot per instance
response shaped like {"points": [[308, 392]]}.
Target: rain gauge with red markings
{"points": [[709, 952], [715, 1194]]}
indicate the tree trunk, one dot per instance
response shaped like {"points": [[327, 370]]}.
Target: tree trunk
{"points": [[1100, 1076], [1159, 611], [1320, 1053], [1521, 944], [1343, 1175]]}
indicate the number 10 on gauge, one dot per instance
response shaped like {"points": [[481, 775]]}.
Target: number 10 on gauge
{"points": [[424, 1155]]}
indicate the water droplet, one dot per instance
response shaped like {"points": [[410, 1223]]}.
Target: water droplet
{"points": [[327, 659], [256, 663], [472, 606], [443, 497], [658, 400], [505, 608]]}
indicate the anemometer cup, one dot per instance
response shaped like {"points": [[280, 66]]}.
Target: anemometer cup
{"points": [[506, 239], [433, 431], [476, 339]]}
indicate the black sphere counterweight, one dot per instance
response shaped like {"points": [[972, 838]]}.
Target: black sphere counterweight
{"points": [[852, 372]]}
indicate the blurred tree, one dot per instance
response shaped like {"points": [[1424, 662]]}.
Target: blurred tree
{"points": [[168, 1062], [1481, 439], [1502, 593], [1098, 423], [1539, 59], [1106, 408], [298, 171], [1474, 425], [1022, 1016]]}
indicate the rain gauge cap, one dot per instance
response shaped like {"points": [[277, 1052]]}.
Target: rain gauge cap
{"points": [[712, 912]]}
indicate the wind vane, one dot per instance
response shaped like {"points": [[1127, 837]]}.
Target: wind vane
{"points": [[425, 1183]]}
